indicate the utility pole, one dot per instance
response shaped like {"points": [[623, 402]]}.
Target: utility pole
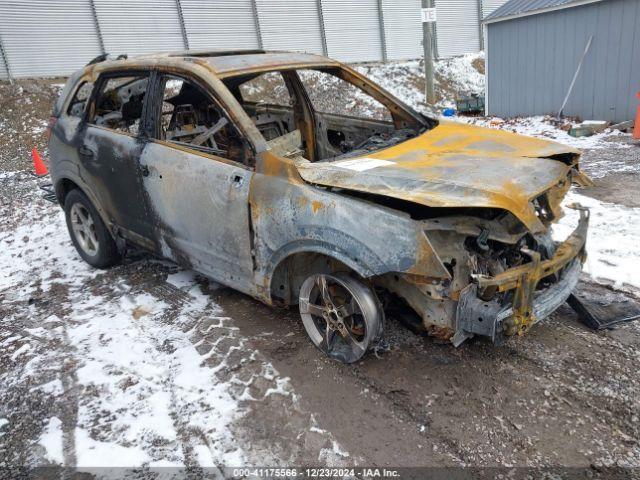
{"points": [[428, 24]]}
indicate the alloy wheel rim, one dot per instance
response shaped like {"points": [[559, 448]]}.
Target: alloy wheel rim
{"points": [[333, 318], [84, 229]]}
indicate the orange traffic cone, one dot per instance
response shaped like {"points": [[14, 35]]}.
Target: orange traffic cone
{"points": [[636, 127], [38, 163]]}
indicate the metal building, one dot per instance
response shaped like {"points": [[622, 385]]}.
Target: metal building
{"points": [[56, 37], [534, 49]]}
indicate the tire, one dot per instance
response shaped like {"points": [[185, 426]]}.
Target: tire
{"points": [[88, 232], [342, 316]]}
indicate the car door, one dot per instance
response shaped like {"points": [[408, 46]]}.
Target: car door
{"points": [[110, 149], [197, 179]]}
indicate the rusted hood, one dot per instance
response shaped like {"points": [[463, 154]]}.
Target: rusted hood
{"points": [[454, 165]]}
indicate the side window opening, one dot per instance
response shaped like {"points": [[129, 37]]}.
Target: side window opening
{"points": [[191, 118], [268, 88], [79, 102], [267, 100], [333, 95], [119, 103]]}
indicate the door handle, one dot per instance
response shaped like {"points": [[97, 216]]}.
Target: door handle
{"points": [[237, 181], [86, 152]]}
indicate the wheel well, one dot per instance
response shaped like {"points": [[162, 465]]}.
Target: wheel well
{"points": [[293, 270], [63, 187]]}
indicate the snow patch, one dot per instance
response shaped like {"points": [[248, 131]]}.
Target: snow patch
{"points": [[51, 440], [22, 350], [52, 388], [92, 453], [612, 244]]}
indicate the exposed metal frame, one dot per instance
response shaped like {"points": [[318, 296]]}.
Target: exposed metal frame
{"points": [[96, 22], [323, 33], [5, 60], [183, 28], [256, 20], [383, 35], [542, 10]]}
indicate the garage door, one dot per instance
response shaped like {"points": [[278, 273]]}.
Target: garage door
{"points": [[457, 29], [403, 29], [352, 30], [43, 38], [219, 25], [287, 25]]}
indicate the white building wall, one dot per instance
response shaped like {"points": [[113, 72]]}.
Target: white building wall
{"points": [[56, 37]]}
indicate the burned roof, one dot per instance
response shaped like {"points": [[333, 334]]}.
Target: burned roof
{"points": [[229, 65], [522, 8]]}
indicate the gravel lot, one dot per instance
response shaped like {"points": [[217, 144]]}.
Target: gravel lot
{"points": [[150, 365]]}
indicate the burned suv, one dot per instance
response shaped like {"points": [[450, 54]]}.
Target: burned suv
{"points": [[294, 179]]}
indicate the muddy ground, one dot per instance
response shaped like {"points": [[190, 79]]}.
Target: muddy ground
{"points": [[561, 396]]}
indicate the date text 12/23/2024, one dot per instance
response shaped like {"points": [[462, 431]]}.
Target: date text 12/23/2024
{"points": [[315, 473]]}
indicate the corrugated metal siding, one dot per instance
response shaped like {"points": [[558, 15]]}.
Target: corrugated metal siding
{"points": [[55, 37], [44, 38], [287, 25], [220, 24], [531, 62], [352, 30], [403, 28], [490, 6], [457, 28], [139, 26]]}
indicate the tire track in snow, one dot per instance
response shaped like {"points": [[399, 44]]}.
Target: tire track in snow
{"points": [[141, 363]]}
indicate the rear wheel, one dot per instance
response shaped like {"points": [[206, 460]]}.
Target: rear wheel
{"points": [[342, 316], [88, 232]]}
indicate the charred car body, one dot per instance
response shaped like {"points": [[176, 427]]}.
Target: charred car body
{"points": [[246, 167]]}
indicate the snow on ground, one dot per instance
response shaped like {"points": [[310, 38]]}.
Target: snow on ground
{"points": [[51, 440], [454, 76], [612, 244], [547, 128], [462, 74], [387, 75], [144, 372], [113, 340]]}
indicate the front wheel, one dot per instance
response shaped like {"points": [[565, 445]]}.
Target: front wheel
{"points": [[342, 316], [88, 232]]}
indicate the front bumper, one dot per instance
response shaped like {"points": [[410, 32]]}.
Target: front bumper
{"points": [[529, 305]]}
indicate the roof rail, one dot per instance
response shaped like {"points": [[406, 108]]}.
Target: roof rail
{"points": [[216, 53], [98, 59], [106, 56]]}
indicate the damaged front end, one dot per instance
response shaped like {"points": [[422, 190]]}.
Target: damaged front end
{"points": [[509, 301], [503, 278]]}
